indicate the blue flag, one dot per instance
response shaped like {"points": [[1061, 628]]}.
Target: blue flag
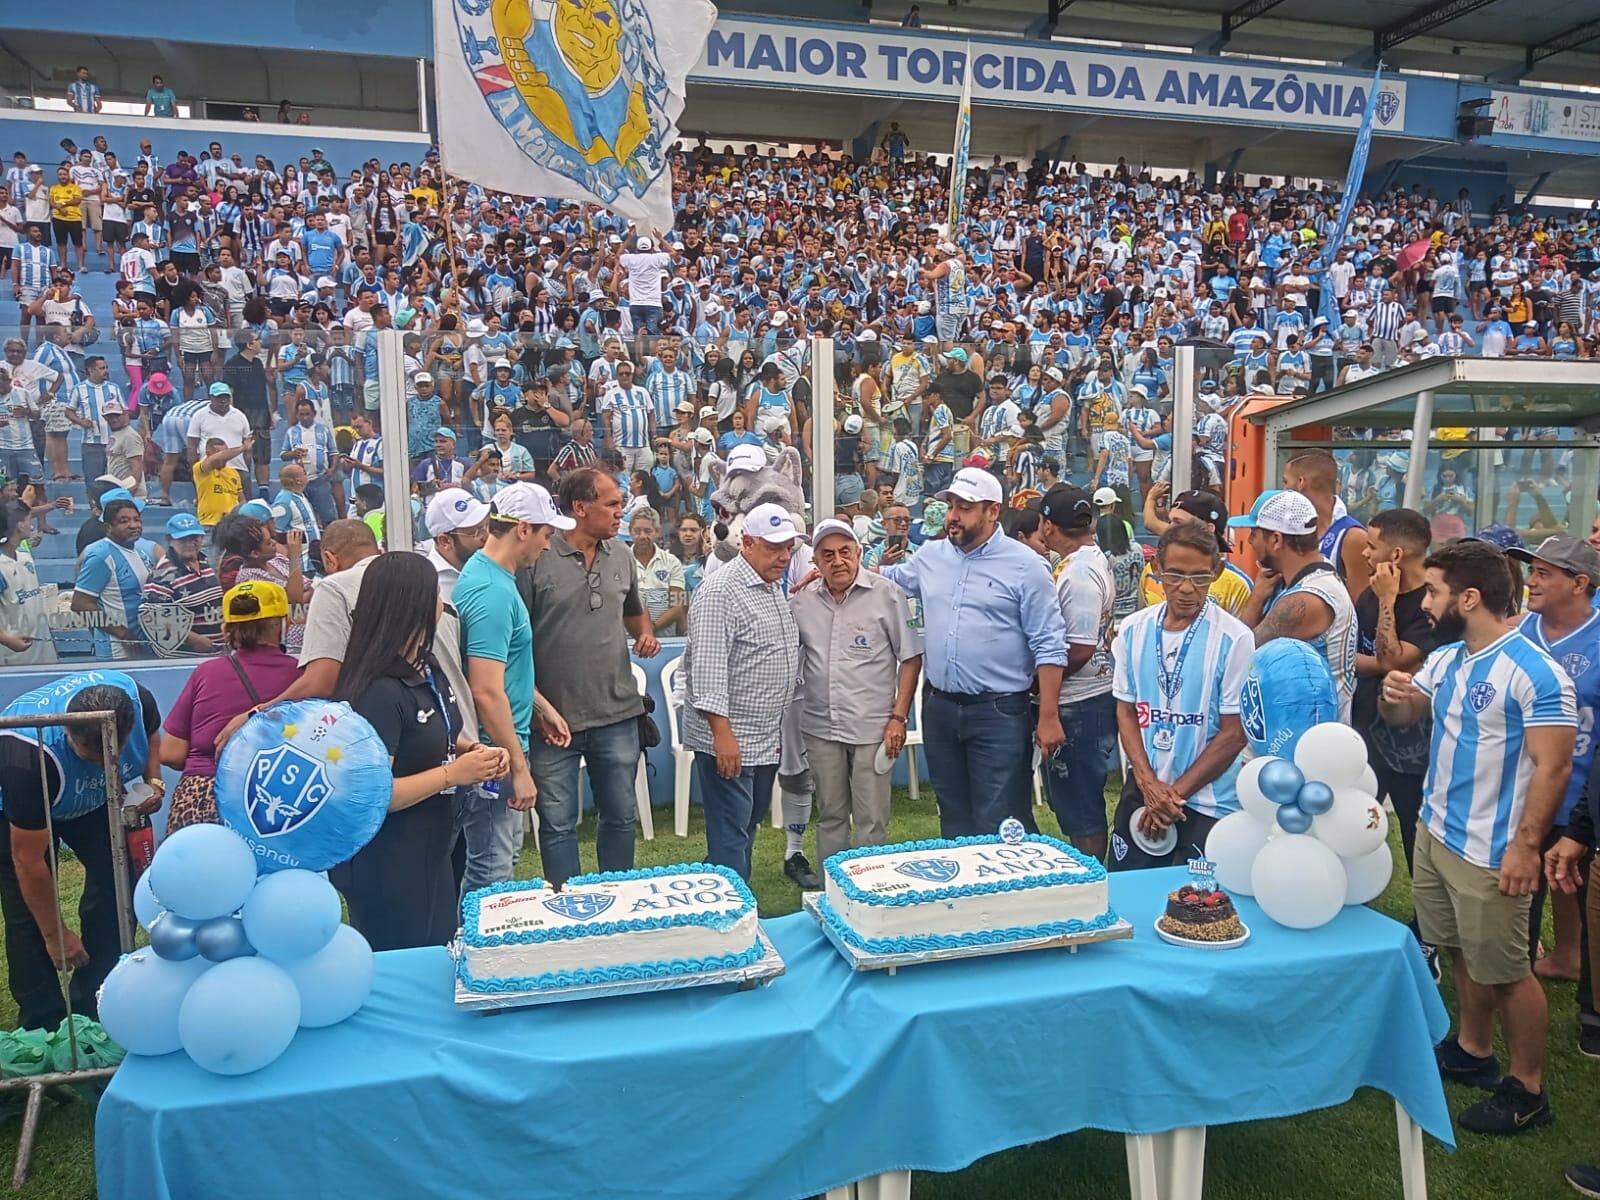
{"points": [[1352, 185]]}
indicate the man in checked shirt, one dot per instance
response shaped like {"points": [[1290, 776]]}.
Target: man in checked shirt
{"points": [[739, 674]]}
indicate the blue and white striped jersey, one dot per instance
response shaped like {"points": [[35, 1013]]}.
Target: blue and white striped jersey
{"points": [[1478, 772], [1579, 656], [1205, 687], [630, 415], [35, 264]]}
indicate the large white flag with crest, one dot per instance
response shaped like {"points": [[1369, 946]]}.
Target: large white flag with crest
{"points": [[572, 98]]}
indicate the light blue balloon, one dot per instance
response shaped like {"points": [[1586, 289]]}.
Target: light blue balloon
{"points": [[172, 937], [1294, 819], [335, 981], [202, 871], [1280, 781], [306, 783], [1288, 690], [145, 905], [222, 938], [140, 999], [239, 1016], [1315, 798], [291, 914]]}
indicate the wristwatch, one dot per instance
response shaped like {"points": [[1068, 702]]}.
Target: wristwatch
{"points": [[897, 717]]}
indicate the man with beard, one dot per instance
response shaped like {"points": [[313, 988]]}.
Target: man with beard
{"points": [[992, 624], [1298, 594], [1504, 723]]}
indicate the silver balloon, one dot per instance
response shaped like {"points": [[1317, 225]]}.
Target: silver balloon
{"points": [[222, 938], [172, 937], [1294, 819]]}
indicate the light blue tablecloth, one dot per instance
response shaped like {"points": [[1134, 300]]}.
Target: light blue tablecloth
{"points": [[823, 1077]]}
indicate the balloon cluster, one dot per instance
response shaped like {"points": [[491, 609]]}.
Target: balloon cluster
{"points": [[1311, 836], [236, 963]]}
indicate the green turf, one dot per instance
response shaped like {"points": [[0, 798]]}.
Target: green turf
{"points": [[1348, 1153]]}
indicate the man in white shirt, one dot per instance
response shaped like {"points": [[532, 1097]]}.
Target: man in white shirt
{"points": [[643, 270], [220, 419], [1075, 775]]}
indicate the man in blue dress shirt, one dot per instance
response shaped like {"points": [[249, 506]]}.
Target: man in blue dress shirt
{"points": [[992, 622]]}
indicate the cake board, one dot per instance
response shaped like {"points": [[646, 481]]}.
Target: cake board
{"points": [[758, 974], [863, 960]]}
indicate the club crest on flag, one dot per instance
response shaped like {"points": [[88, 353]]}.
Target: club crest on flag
{"points": [[578, 84]]}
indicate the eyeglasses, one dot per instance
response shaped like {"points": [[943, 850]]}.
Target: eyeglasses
{"points": [[1172, 580], [596, 599]]}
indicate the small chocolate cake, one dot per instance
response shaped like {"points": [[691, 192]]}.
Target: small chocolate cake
{"points": [[1201, 916]]}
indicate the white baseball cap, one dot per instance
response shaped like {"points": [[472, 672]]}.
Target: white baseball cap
{"points": [[1105, 496], [771, 523], [1279, 511], [452, 509], [529, 502], [852, 423], [646, 244], [746, 458], [973, 484], [833, 525], [703, 436]]}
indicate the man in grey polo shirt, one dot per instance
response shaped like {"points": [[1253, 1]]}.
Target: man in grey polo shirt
{"points": [[859, 663], [583, 600]]}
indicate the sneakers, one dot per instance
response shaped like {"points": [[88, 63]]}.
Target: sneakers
{"points": [[798, 868], [1585, 1180], [1589, 1041], [1512, 1109], [1457, 1066]]}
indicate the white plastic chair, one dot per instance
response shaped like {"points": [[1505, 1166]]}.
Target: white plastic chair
{"points": [[682, 759], [913, 740], [641, 779]]}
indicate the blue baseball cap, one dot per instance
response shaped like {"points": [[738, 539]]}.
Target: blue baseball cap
{"points": [[443, 432], [185, 525], [115, 494], [259, 509], [221, 389]]}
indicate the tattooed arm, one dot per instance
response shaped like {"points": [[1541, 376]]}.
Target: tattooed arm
{"points": [[1299, 615]]}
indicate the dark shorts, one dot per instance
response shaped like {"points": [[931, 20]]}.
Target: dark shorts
{"points": [[188, 261], [194, 360], [1443, 304], [67, 231], [115, 231]]}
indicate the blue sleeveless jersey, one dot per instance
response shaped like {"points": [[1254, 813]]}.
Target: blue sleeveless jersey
{"points": [[83, 784], [1579, 656], [1332, 545]]}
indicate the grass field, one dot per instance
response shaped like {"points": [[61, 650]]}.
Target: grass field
{"points": [[1348, 1153]]}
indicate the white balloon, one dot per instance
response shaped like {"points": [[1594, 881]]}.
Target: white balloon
{"points": [[1368, 875], [1232, 845], [1332, 753], [1298, 881], [1354, 827], [1369, 782], [1251, 798]]}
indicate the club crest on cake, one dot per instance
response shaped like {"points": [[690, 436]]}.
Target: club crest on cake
{"points": [[579, 906], [930, 870]]}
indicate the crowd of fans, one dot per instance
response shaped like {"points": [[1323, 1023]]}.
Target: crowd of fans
{"points": [[575, 389]]}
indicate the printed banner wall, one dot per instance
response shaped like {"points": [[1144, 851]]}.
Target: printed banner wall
{"points": [[1547, 116], [891, 63]]}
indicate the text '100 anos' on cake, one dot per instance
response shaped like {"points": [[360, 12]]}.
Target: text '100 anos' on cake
{"points": [[964, 892], [618, 927]]}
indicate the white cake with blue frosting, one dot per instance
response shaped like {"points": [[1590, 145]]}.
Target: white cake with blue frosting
{"points": [[966, 892], [611, 928]]}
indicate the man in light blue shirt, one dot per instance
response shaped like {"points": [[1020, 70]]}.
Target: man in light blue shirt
{"points": [[992, 623]]}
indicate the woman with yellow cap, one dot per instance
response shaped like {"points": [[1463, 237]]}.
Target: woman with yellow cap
{"points": [[254, 669]]}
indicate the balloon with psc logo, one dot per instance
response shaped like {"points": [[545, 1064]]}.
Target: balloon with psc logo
{"points": [[1288, 690], [306, 783]]}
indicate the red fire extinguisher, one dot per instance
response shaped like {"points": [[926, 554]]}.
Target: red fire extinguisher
{"points": [[141, 834]]}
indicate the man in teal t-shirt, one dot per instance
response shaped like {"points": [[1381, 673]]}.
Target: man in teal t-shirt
{"points": [[497, 637]]}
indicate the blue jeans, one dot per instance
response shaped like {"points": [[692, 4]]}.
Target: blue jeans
{"points": [[319, 494], [734, 810], [1075, 779], [493, 832], [16, 463], [646, 318], [980, 759], [611, 753], [94, 460]]}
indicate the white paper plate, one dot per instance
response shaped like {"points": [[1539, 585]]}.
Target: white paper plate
{"points": [[1178, 941], [883, 764], [1155, 847]]}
